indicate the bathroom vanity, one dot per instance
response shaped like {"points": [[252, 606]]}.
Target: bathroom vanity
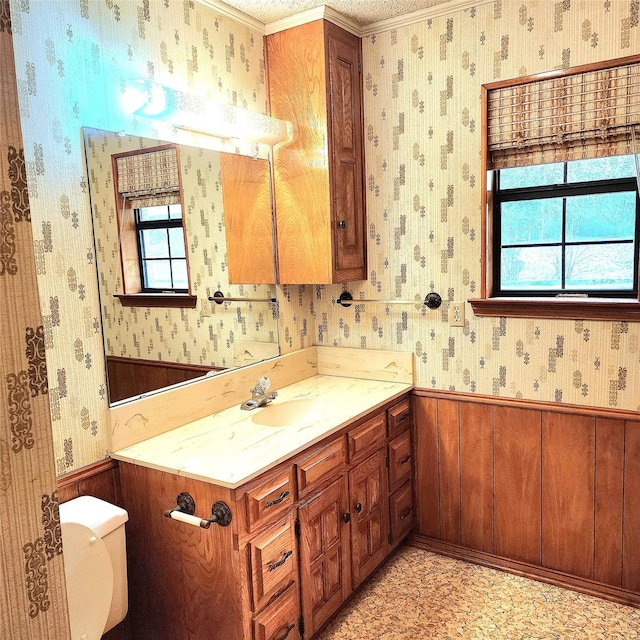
{"points": [[318, 486]]}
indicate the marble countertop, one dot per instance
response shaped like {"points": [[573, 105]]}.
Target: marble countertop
{"points": [[229, 447]]}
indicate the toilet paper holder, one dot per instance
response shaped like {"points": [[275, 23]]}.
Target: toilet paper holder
{"points": [[186, 507]]}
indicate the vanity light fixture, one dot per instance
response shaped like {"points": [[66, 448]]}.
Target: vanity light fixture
{"points": [[198, 114]]}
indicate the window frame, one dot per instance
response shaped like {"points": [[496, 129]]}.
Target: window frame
{"points": [[565, 191], [169, 223], [134, 294], [489, 304]]}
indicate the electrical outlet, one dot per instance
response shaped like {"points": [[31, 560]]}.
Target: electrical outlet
{"points": [[456, 314]]}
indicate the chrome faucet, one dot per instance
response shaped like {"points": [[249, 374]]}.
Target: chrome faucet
{"points": [[259, 396]]}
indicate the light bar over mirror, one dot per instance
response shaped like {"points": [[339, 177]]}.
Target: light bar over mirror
{"points": [[199, 114]]}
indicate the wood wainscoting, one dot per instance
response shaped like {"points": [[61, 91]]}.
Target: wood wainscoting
{"points": [[101, 480], [129, 377], [544, 490]]}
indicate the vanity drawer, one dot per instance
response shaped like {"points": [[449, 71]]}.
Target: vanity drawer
{"points": [[367, 437], [399, 461], [399, 417], [320, 465], [279, 621], [274, 562], [269, 498], [401, 503]]}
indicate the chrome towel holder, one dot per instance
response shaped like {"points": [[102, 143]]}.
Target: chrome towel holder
{"points": [[432, 300]]}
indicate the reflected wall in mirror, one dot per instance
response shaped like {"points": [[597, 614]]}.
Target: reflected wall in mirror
{"points": [[227, 217]]}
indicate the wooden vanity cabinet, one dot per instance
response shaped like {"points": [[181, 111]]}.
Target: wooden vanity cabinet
{"points": [[315, 82], [303, 536]]}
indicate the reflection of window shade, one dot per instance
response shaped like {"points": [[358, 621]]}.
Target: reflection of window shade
{"points": [[149, 178], [573, 117]]}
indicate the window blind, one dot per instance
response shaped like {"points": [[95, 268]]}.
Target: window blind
{"points": [[582, 115], [149, 178]]}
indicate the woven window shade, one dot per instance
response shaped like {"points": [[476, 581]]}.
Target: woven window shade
{"points": [[150, 178], [574, 117]]}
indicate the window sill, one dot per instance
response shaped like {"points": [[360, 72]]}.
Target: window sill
{"points": [[167, 300], [553, 308]]}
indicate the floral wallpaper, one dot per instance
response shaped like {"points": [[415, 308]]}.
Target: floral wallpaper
{"points": [[423, 136], [74, 60], [422, 129]]}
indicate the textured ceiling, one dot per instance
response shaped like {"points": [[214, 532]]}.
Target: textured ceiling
{"points": [[361, 12]]}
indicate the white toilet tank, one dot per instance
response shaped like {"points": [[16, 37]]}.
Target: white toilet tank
{"points": [[94, 553]]}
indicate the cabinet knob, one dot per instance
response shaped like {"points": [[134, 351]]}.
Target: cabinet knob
{"points": [[346, 518], [342, 224], [359, 507]]}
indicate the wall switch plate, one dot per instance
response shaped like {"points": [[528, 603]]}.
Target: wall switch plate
{"points": [[456, 314]]}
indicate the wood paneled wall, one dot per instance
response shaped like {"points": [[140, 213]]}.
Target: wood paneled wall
{"points": [[545, 490], [130, 377]]}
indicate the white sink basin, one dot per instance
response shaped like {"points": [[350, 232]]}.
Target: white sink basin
{"points": [[290, 412]]}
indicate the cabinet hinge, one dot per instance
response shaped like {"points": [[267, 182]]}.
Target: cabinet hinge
{"points": [[390, 539], [301, 627], [297, 528], [359, 67], [386, 462]]}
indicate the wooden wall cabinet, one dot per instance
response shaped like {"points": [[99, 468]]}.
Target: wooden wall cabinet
{"points": [[303, 536], [315, 82]]}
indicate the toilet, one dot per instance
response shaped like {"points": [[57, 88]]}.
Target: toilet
{"points": [[94, 554]]}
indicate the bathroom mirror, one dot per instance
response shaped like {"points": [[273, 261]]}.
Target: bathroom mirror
{"points": [[152, 342]]}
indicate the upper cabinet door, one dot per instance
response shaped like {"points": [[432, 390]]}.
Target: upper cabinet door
{"points": [[345, 121], [315, 82]]}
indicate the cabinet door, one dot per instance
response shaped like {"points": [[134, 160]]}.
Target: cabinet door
{"points": [[347, 183], [324, 554], [370, 516]]}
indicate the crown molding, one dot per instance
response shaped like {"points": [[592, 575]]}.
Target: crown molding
{"points": [[235, 15], [437, 11], [317, 13], [327, 13]]}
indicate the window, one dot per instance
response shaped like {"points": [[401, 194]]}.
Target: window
{"points": [[151, 232], [560, 194], [161, 250], [567, 228]]}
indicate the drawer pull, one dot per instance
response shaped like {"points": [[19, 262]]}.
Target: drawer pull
{"points": [[359, 507], [346, 518], [404, 460], [407, 513], [285, 556], [287, 632], [271, 503]]}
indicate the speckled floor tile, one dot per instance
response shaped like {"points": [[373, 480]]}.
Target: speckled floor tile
{"points": [[419, 595]]}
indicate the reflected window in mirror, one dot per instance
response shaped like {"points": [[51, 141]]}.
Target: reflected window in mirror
{"points": [[151, 230], [161, 248]]}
